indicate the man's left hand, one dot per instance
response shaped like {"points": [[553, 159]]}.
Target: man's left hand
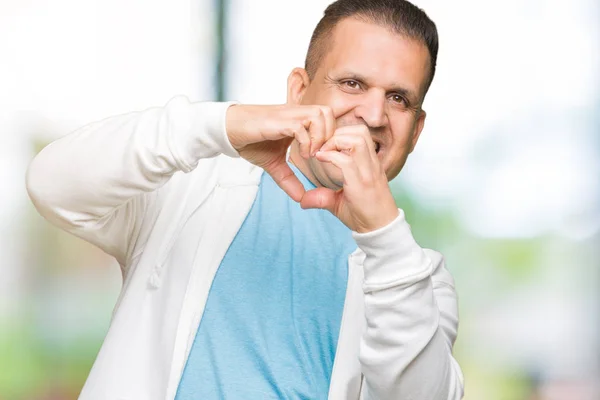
{"points": [[365, 202]]}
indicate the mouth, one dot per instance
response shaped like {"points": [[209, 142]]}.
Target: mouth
{"points": [[377, 147]]}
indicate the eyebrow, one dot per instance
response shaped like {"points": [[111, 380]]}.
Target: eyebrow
{"points": [[409, 94]]}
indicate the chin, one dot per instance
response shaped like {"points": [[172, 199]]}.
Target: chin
{"points": [[331, 175]]}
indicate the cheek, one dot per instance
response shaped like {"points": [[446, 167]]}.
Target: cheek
{"points": [[403, 132], [394, 161], [396, 156], [340, 103]]}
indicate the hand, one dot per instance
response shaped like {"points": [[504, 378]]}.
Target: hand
{"points": [[365, 202], [262, 135]]}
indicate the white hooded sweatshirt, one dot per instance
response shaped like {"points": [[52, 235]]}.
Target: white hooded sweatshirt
{"points": [[129, 183]]}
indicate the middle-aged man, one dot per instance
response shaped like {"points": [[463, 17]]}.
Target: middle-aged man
{"points": [[303, 282]]}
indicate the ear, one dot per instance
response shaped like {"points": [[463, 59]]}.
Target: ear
{"points": [[419, 124], [297, 83]]}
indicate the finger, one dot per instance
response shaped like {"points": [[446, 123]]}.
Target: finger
{"points": [[283, 175], [359, 151], [322, 198], [357, 148], [351, 130], [316, 129], [343, 161], [299, 132], [329, 122]]}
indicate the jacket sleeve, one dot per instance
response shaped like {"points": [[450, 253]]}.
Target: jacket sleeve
{"points": [[411, 319], [102, 180]]}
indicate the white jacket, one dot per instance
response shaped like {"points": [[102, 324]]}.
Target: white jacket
{"points": [[128, 184]]}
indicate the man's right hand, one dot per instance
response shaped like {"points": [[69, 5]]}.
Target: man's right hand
{"points": [[263, 133]]}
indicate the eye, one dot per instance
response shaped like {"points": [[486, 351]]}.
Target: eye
{"points": [[351, 84], [396, 98]]}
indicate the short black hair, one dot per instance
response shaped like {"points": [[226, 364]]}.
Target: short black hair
{"points": [[400, 16]]}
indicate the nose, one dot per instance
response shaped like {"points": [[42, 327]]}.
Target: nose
{"points": [[372, 108]]}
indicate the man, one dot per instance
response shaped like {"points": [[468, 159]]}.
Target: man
{"points": [[303, 282]]}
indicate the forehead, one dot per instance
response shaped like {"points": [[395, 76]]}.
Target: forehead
{"points": [[385, 57]]}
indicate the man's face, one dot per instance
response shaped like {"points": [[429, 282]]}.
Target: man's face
{"points": [[377, 78]]}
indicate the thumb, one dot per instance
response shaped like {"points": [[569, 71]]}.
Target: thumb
{"points": [[283, 175], [323, 198]]}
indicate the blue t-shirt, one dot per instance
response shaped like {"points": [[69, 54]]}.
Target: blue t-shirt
{"points": [[273, 314]]}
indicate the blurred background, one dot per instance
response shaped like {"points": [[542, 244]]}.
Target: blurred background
{"points": [[505, 180]]}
